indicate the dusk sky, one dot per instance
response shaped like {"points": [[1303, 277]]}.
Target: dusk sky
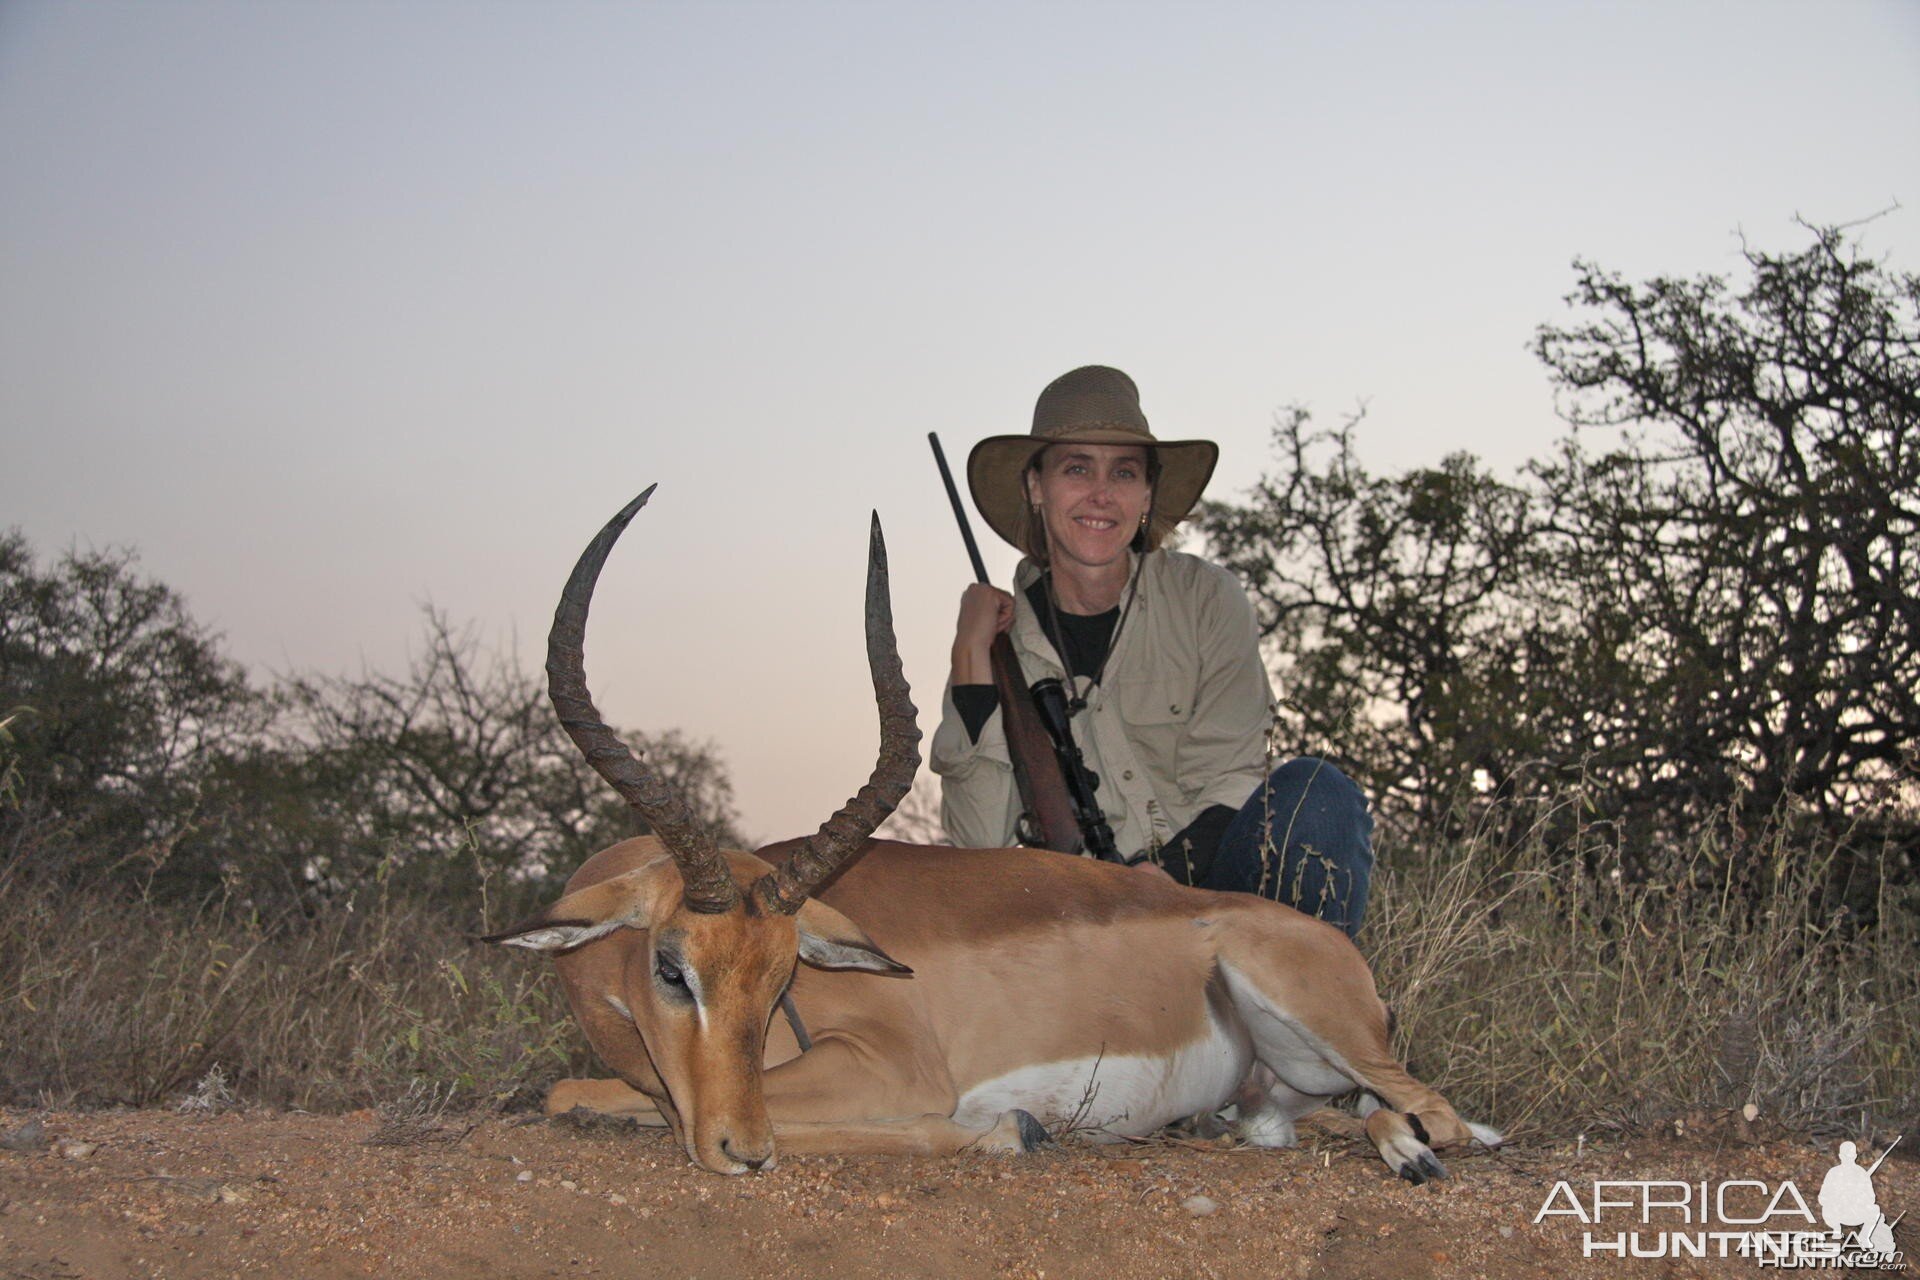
{"points": [[331, 309]]}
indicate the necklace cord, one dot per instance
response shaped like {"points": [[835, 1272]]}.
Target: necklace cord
{"points": [[1057, 634]]}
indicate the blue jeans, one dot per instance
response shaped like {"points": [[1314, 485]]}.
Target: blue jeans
{"points": [[1305, 838]]}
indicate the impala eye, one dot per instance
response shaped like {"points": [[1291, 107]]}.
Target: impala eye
{"points": [[668, 970]]}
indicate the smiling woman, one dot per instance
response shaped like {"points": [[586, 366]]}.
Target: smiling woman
{"points": [[1168, 698], [1089, 504]]}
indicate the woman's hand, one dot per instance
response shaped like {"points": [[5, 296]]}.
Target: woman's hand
{"points": [[985, 612]]}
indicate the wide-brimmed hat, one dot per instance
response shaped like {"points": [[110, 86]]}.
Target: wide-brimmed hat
{"points": [[1091, 405]]}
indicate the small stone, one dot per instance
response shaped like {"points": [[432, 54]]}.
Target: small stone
{"points": [[233, 1195], [525, 1175], [1751, 1112], [1200, 1206], [616, 1199], [74, 1149], [1506, 1233], [31, 1136], [565, 1185]]}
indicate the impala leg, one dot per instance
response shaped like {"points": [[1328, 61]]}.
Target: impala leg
{"points": [[1267, 1108], [1313, 1068], [610, 1097], [614, 1098], [1411, 1120], [928, 1135], [1325, 1034], [849, 1095], [1012, 1133]]}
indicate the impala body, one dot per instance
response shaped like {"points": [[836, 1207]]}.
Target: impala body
{"points": [[955, 999]]}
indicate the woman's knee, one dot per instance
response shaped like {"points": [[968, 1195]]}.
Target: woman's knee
{"points": [[1312, 784], [1310, 773]]}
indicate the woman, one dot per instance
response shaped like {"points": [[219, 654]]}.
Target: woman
{"points": [[1160, 655]]}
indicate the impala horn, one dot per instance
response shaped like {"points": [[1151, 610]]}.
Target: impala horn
{"points": [[842, 838], [709, 885]]}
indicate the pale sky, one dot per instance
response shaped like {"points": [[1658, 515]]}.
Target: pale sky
{"points": [[333, 308]]}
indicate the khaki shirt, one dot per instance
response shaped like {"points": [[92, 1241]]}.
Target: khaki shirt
{"points": [[1177, 723]]}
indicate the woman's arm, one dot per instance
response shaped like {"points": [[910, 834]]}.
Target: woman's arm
{"points": [[1225, 752], [985, 611], [969, 750]]}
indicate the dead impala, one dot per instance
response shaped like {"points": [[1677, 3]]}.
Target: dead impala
{"points": [[978, 988]]}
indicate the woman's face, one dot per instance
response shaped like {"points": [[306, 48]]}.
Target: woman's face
{"points": [[1091, 498]]}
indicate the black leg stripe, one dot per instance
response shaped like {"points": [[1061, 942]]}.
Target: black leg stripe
{"points": [[1419, 1130]]}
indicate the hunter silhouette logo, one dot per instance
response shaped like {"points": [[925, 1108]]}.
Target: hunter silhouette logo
{"points": [[1847, 1200]]}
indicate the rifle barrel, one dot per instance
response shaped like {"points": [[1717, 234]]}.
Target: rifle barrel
{"points": [[959, 511]]}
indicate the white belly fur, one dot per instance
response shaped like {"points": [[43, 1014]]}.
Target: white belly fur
{"points": [[1119, 1095]]}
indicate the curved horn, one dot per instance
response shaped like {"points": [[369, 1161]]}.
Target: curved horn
{"points": [[841, 837], [710, 887]]}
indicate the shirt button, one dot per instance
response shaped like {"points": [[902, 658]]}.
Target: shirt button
{"points": [[1128, 775], [1175, 708]]}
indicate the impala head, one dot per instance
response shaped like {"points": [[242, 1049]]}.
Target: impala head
{"points": [[692, 947], [697, 987]]}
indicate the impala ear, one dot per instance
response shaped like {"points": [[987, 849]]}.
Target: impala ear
{"points": [[828, 940], [622, 902], [540, 934]]}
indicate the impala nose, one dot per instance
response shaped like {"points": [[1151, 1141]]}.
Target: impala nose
{"points": [[756, 1163]]}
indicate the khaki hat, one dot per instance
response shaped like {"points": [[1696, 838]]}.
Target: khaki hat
{"points": [[1091, 405]]}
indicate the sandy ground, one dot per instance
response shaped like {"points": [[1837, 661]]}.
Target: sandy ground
{"points": [[158, 1194]]}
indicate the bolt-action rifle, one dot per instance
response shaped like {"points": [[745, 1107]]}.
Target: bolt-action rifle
{"points": [[1058, 807]]}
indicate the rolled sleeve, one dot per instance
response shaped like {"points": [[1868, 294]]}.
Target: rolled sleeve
{"points": [[976, 779]]}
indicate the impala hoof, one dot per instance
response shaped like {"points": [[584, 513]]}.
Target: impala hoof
{"points": [[1426, 1167], [1033, 1134]]}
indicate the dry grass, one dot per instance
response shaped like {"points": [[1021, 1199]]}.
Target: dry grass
{"points": [[1549, 999], [106, 1000]]}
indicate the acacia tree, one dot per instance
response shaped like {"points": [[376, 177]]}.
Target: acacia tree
{"points": [[1391, 609], [119, 706], [132, 748], [1749, 521], [462, 758], [1705, 602]]}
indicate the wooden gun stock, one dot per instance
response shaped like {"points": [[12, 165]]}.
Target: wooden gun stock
{"points": [[1047, 807]]}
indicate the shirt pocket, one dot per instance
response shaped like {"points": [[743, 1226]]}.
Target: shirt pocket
{"points": [[1156, 713], [1156, 702]]}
